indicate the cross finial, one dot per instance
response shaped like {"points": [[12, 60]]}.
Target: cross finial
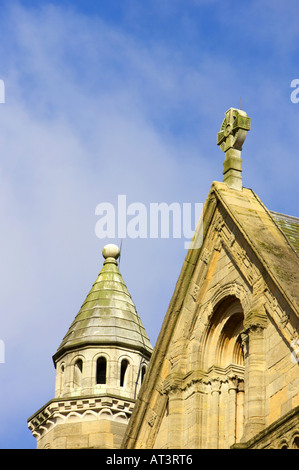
{"points": [[230, 139]]}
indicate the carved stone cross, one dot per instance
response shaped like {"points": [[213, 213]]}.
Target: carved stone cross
{"points": [[231, 137]]}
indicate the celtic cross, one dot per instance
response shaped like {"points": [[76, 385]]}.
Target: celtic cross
{"points": [[231, 137]]}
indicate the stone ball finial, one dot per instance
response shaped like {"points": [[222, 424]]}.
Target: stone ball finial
{"points": [[111, 251]]}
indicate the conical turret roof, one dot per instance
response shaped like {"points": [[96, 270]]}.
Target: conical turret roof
{"points": [[108, 314]]}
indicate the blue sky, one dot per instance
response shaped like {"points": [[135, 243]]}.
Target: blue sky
{"points": [[123, 97]]}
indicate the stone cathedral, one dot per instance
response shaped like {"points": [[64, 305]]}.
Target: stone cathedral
{"points": [[224, 372]]}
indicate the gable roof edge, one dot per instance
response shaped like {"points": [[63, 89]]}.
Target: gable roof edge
{"points": [[168, 325], [260, 257]]}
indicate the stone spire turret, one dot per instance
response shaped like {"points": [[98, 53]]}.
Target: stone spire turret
{"points": [[100, 365], [108, 315]]}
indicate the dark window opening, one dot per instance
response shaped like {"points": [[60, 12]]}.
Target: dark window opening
{"points": [[101, 370], [123, 369], [78, 373]]}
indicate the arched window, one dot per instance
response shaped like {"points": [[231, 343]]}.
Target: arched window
{"points": [[223, 344], [229, 348], [101, 370], [123, 370], [78, 369], [223, 351], [61, 378]]}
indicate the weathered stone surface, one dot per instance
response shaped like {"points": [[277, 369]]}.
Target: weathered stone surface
{"points": [[224, 350]]}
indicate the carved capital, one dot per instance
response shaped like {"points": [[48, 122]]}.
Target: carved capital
{"points": [[232, 381], [215, 385], [241, 386], [172, 382], [257, 316]]}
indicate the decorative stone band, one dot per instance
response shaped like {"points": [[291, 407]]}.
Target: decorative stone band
{"points": [[233, 374], [61, 410]]}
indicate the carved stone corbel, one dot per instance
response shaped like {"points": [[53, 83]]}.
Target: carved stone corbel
{"points": [[257, 316], [152, 416]]}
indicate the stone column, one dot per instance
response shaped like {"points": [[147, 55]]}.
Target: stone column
{"points": [[232, 408], [214, 413], [240, 411], [175, 417], [255, 367]]}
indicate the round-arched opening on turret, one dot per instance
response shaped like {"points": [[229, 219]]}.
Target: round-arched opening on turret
{"points": [[78, 370], [123, 371], [101, 371]]}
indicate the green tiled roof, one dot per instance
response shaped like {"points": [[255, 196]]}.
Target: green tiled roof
{"points": [[290, 227], [107, 316]]}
